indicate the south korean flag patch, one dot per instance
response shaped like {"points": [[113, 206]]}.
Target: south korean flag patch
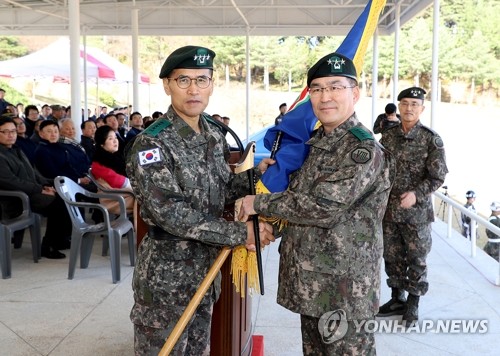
{"points": [[149, 156]]}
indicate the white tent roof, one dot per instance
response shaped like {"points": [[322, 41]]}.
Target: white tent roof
{"points": [[122, 72], [54, 61], [51, 61]]}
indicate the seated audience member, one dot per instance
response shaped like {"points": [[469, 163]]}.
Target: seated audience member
{"points": [[18, 174], [108, 167], [157, 115], [53, 158], [99, 121], [112, 122], [87, 139], [57, 112], [122, 124], [31, 116], [136, 126], [20, 110], [46, 111], [36, 131], [67, 133], [23, 142], [10, 110]]}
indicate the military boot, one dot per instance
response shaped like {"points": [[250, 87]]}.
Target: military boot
{"points": [[411, 313], [395, 306]]}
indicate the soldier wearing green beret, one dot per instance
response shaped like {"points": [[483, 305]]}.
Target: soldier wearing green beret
{"points": [[331, 250], [421, 167], [178, 170]]}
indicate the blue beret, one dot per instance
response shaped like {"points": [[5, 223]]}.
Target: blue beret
{"points": [[332, 65], [193, 57], [412, 93]]}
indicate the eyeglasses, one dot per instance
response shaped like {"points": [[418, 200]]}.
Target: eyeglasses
{"points": [[412, 105], [331, 89], [184, 82], [8, 132]]}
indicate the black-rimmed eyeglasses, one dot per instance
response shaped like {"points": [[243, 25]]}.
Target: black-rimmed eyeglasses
{"points": [[184, 81]]}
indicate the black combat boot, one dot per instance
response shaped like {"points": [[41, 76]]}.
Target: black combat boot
{"points": [[395, 306], [411, 313]]}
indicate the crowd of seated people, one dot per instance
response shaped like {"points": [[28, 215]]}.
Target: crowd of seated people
{"points": [[36, 145]]}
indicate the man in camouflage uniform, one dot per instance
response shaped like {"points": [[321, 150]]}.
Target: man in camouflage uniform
{"points": [[331, 249], [421, 169], [492, 247], [178, 170]]}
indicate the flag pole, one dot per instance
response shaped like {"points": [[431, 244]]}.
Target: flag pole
{"points": [[193, 304]]}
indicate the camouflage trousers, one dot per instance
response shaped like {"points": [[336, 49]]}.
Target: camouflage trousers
{"points": [[195, 340], [491, 248], [353, 343], [406, 248]]}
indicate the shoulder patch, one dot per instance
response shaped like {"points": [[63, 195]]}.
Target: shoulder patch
{"points": [[437, 141], [156, 127], [361, 134], [361, 155]]}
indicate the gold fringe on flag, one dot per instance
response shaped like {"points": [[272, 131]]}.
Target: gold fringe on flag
{"points": [[244, 271]]}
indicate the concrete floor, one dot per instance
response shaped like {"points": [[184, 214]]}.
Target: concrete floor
{"points": [[44, 313]]}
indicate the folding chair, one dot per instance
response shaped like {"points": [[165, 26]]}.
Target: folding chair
{"points": [[27, 219], [83, 232]]}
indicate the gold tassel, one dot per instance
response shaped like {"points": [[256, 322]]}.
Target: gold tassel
{"points": [[244, 269]]}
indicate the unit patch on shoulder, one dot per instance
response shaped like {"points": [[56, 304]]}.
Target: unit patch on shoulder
{"points": [[156, 127], [149, 156], [361, 155], [438, 142]]}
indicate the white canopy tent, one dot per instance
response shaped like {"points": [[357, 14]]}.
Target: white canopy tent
{"points": [[51, 61]]}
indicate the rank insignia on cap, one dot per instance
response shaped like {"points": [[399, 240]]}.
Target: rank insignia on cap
{"points": [[201, 57], [149, 156], [336, 64], [412, 93], [416, 92]]}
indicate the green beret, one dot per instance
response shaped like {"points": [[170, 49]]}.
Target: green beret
{"points": [[332, 65], [192, 57], [412, 93]]}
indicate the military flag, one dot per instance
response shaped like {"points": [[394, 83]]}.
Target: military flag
{"points": [[299, 122]]}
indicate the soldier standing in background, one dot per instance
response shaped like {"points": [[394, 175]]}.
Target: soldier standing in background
{"points": [[331, 251], [178, 170], [421, 169], [466, 221], [491, 248]]}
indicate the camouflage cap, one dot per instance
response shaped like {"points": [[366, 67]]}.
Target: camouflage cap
{"points": [[412, 93], [193, 57], [332, 65]]}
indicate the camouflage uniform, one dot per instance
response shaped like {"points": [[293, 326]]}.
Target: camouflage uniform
{"points": [[331, 250], [491, 248], [182, 181], [421, 168]]}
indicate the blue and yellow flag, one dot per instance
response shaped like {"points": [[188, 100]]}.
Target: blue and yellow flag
{"points": [[299, 122]]}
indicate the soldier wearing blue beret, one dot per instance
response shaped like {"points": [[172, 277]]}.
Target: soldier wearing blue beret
{"points": [[421, 167]]}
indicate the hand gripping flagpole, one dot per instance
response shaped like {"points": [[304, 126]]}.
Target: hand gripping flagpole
{"points": [[217, 265]]}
